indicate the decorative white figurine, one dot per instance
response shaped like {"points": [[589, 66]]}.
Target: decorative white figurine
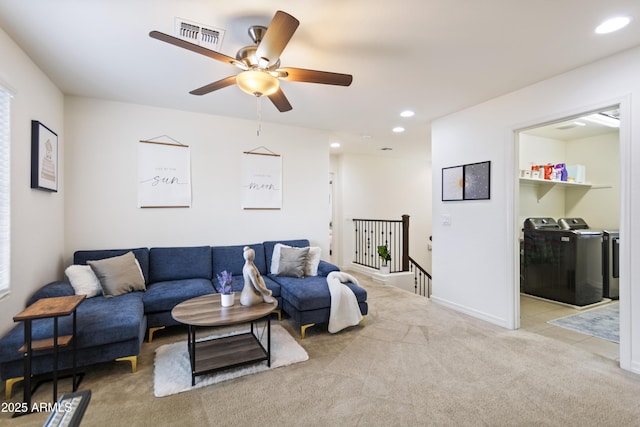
{"points": [[254, 291]]}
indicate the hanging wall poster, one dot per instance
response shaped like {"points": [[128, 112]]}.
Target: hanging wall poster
{"points": [[164, 175], [44, 157], [261, 181]]}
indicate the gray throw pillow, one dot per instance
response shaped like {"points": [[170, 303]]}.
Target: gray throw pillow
{"points": [[118, 275], [292, 261]]}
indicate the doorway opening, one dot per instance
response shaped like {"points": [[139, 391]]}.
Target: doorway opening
{"points": [[553, 286]]}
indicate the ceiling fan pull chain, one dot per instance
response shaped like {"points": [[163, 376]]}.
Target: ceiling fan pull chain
{"points": [[259, 107]]}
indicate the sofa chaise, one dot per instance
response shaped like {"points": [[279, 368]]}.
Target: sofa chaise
{"points": [[113, 328]]}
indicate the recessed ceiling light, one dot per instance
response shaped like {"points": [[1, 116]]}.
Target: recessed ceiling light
{"points": [[613, 24], [335, 145], [579, 123], [407, 113], [398, 129]]}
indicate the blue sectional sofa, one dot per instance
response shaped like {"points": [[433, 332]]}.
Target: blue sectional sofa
{"points": [[114, 328]]}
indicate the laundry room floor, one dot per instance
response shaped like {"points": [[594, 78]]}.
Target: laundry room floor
{"points": [[535, 313]]}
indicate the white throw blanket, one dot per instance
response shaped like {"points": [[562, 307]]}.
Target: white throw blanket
{"points": [[345, 311]]}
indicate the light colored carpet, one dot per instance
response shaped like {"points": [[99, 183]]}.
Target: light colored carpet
{"points": [[172, 373], [602, 322], [416, 363]]}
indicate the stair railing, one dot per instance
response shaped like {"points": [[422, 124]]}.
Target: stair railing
{"points": [[421, 279], [371, 233]]}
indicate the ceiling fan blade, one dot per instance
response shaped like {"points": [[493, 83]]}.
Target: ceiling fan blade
{"points": [[196, 48], [313, 76], [214, 86], [278, 34], [280, 101]]}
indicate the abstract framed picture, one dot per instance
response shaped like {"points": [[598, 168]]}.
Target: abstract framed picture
{"points": [[44, 157], [477, 181], [452, 183]]}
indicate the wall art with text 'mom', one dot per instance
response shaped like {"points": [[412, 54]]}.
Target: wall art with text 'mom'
{"points": [[261, 179]]}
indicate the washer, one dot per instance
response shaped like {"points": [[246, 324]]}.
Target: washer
{"points": [[560, 263]]}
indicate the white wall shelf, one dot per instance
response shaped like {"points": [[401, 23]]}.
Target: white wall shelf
{"points": [[545, 185]]}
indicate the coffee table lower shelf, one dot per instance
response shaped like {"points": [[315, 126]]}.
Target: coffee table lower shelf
{"points": [[217, 354]]}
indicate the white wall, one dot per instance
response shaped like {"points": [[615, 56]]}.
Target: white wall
{"points": [[482, 278], [373, 186], [101, 171], [37, 233], [598, 205]]}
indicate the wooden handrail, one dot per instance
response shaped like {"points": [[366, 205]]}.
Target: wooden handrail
{"points": [[421, 279]]}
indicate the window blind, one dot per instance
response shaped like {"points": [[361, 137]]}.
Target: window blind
{"points": [[5, 186]]}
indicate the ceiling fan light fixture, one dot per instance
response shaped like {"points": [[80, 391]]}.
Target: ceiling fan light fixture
{"points": [[257, 82]]}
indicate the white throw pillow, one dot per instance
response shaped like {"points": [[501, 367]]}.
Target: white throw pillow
{"points": [[313, 259], [275, 258], [311, 265], [83, 280]]}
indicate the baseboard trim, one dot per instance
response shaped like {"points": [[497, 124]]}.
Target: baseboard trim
{"points": [[471, 312]]}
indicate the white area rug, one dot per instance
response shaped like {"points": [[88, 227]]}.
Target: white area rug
{"points": [[172, 372]]}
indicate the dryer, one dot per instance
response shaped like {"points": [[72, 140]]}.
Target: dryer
{"points": [[562, 264], [611, 264]]}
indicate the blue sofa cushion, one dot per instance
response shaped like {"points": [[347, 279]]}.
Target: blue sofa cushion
{"points": [[324, 268], [50, 290], [163, 296], [141, 254], [231, 258], [312, 292], [104, 320], [180, 263], [100, 321], [269, 245], [274, 286]]}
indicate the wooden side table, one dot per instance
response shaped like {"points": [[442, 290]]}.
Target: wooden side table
{"points": [[42, 309]]}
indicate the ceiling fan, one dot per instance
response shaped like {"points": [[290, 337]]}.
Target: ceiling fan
{"points": [[260, 63]]}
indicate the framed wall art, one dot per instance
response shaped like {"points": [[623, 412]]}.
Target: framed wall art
{"points": [[44, 157], [452, 183], [467, 182], [477, 181]]}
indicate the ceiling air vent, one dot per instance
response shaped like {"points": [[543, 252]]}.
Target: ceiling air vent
{"points": [[200, 34]]}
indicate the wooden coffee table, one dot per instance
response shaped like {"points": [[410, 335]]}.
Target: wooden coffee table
{"points": [[226, 352]]}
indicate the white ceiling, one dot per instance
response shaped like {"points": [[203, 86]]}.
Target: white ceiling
{"points": [[432, 56]]}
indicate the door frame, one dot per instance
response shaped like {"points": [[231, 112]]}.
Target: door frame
{"points": [[511, 177]]}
